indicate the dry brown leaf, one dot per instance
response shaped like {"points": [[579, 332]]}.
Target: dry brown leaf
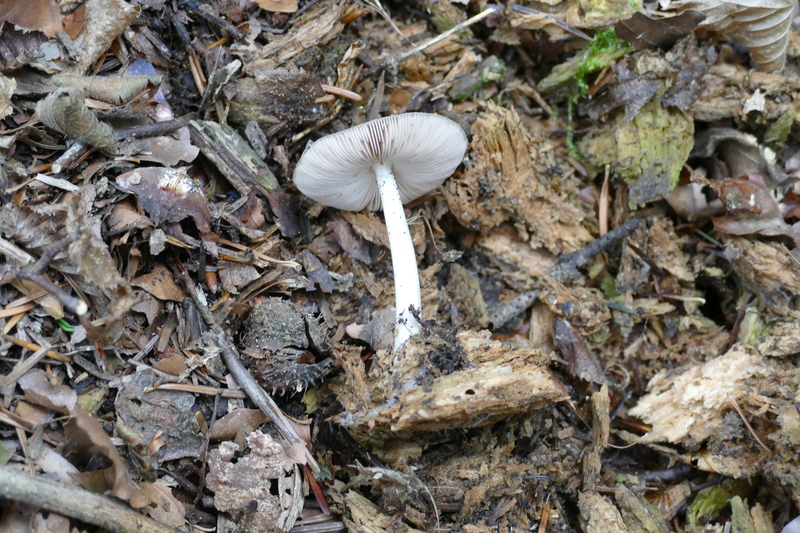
{"points": [[7, 86], [39, 390], [105, 21], [160, 284], [227, 427], [761, 25], [167, 195], [40, 15], [164, 507], [86, 439], [73, 23], [278, 6]]}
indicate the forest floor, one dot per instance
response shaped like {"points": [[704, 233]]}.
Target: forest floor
{"points": [[609, 279]]}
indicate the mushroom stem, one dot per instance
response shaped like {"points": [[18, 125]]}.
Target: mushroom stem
{"points": [[404, 259]]}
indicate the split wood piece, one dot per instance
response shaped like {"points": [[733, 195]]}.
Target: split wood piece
{"points": [[233, 156], [76, 503]]}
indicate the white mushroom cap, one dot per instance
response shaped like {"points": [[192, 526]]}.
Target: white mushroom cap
{"points": [[422, 150]]}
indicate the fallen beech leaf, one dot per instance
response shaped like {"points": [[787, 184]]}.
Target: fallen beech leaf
{"points": [[229, 425], [751, 208], [761, 25], [105, 21], [160, 284], [645, 32], [167, 195], [73, 23], [40, 391], [741, 152], [582, 363], [7, 86], [86, 439], [164, 507], [40, 15]]}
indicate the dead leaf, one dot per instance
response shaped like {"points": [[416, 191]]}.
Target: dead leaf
{"points": [[86, 439], [763, 26], [39, 15], [164, 507], [163, 415], [160, 284], [227, 427], [643, 31], [167, 195], [741, 152], [39, 390], [7, 86], [64, 110], [105, 21], [73, 23], [582, 363]]}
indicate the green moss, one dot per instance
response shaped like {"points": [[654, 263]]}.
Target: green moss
{"points": [[601, 53], [647, 152], [710, 502]]}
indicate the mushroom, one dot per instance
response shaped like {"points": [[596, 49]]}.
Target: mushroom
{"points": [[385, 163]]}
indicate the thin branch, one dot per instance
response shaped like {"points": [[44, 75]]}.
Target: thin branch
{"points": [[75, 502], [455, 29], [35, 274]]}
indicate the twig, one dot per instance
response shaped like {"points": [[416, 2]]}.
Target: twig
{"points": [[243, 377], [75, 502], [455, 29], [746, 423], [738, 323], [153, 129], [503, 314], [35, 274], [567, 267]]}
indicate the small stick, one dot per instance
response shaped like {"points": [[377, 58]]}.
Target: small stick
{"points": [[455, 29], [602, 205], [153, 129], [338, 91], [75, 502], [746, 423], [566, 268], [503, 314], [35, 274]]}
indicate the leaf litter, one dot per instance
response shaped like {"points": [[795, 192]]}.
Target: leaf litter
{"points": [[608, 281]]}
